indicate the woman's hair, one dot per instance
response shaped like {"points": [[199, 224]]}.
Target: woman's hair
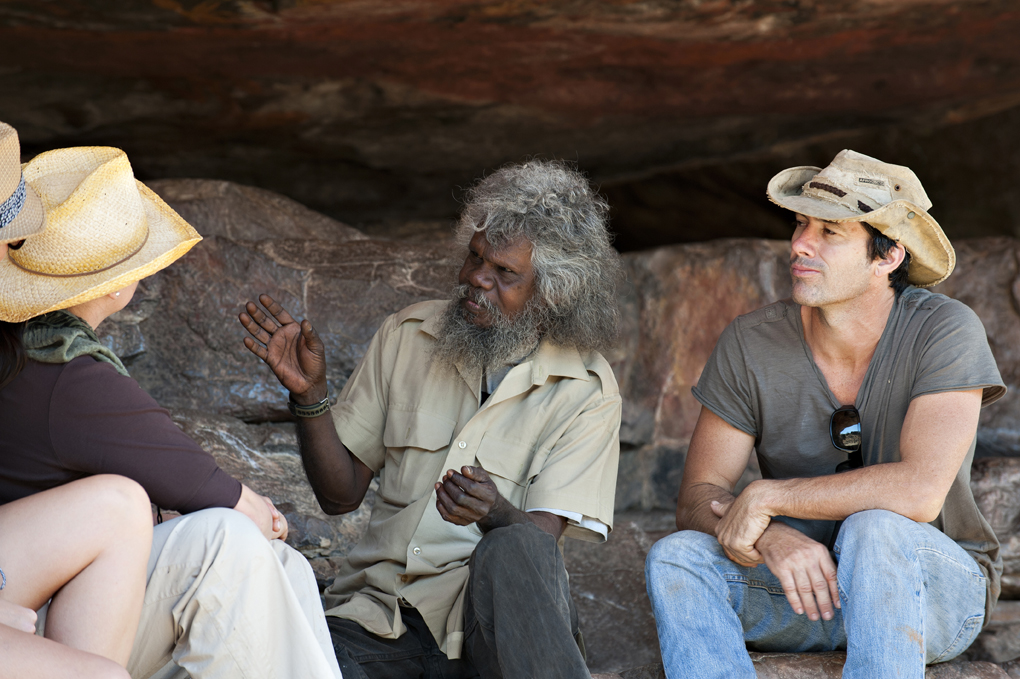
{"points": [[576, 268], [12, 352]]}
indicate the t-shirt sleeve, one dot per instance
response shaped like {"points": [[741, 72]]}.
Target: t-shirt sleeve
{"points": [[102, 422], [579, 474], [956, 356], [724, 385], [360, 411]]}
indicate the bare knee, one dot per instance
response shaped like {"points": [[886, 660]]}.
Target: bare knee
{"points": [[123, 503]]}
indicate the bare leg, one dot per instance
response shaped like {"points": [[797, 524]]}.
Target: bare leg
{"points": [[95, 534], [26, 656]]}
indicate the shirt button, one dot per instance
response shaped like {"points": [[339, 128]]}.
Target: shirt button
{"points": [[462, 445], [403, 578], [416, 550]]}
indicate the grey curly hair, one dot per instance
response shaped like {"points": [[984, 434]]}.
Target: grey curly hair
{"points": [[575, 266]]}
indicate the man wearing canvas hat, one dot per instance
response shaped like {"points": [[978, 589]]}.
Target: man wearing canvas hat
{"points": [[224, 597], [860, 397]]}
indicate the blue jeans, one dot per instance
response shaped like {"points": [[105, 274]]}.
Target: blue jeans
{"points": [[909, 595]]}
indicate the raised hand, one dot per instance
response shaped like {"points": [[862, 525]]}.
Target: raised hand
{"points": [[293, 351]]}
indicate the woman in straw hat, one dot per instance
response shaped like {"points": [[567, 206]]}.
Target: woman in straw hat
{"points": [[21, 216], [93, 571], [221, 599]]}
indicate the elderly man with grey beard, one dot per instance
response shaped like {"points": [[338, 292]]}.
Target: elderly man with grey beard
{"points": [[493, 423]]}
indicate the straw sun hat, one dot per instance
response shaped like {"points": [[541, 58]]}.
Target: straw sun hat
{"points": [[858, 188], [21, 212], [104, 231]]}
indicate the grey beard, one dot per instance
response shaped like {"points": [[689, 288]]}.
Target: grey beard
{"points": [[508, 339]]}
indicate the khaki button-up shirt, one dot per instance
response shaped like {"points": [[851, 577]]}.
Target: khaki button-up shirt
{"points": [[548, 437]]}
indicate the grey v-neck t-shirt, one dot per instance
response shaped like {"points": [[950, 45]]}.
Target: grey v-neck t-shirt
{"points": [[762, 379]]}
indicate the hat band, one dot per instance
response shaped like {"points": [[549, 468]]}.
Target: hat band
{"points": [[11, 207], [86, 273], [833, 194]]}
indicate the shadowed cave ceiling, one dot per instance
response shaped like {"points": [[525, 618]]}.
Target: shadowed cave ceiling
{"points": [[380, 112]]}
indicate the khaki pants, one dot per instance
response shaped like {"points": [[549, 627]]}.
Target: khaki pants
{"points": [[223, 602]]}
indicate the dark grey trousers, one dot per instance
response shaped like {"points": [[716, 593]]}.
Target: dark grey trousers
{"points": [[519, 622]]}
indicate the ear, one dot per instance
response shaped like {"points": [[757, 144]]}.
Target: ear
{"points": [[886, 265]]}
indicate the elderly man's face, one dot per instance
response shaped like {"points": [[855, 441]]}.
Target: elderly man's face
{"points": [[504, 277]]}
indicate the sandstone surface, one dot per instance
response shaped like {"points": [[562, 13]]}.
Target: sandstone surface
{"points": [[180, 337]]}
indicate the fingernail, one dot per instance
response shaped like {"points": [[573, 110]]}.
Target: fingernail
{"points": [[827, 616]]}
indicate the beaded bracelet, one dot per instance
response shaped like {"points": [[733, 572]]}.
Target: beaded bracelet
{"points": [[3, 579], [313, 410]]}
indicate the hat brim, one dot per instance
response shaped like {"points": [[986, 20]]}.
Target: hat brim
{"points": [[785, 191], [25, 295], [30, 221], [932, 257]]}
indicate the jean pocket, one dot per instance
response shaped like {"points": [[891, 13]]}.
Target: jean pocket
{"points": [[968, 632]]}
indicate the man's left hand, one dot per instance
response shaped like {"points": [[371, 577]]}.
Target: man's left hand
{"points": [[805, 568], [466, 497], [743, 522]]}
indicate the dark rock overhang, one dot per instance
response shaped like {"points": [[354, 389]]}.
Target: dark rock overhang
{"points": [[376, 111]]}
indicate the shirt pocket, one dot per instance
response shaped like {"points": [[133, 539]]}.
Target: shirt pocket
{"points": [[416, 443], [508, 464], [417, 429]]}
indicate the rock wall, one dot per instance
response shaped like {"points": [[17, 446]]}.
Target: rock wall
{"points": [[182, 342]]}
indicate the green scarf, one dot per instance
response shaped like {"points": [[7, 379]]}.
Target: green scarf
{"points": [[60, 337]]}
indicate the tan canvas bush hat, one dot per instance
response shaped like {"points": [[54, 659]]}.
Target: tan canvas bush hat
{"points": [[21, 212], [104, 231], [855, 185]]}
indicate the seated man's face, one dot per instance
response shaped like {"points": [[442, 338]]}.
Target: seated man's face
{"points": [[829, 261], [503, 277]]}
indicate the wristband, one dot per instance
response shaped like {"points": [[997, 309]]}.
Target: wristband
{"points": [[3, 579], [313, 410]]}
